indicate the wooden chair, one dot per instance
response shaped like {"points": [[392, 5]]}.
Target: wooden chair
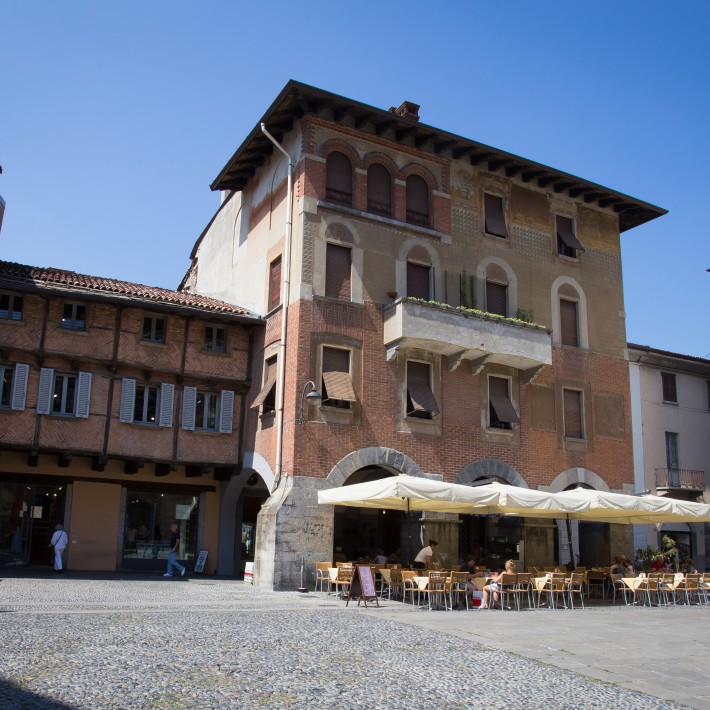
{"points": [[344, 580], [691, 587], [409, 585], [458, 589], [435, 591], [555, 589], [618, 586], [704, 587], [523, 588], [575, 585], [596, 582], [395, 585], [323, 575], [507, 586], [668, 586]]}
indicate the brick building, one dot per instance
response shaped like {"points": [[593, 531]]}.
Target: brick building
{"points": [[121, 409], [459, 309], [670, 400]]}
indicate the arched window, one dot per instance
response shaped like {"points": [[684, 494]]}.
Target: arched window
{"points": [[379, 190], [417, 201], [339, 179]]}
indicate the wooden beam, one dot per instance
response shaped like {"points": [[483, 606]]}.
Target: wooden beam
{"points": [[529, 175]]}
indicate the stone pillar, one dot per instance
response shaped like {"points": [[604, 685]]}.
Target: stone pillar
{"points": [[621, 541], [539, 540], [291, 526]]}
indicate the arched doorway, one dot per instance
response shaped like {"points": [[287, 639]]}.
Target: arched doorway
{"points": [[361, 533]]}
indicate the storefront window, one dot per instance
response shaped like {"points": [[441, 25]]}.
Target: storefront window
{"points": [[149, 515]]}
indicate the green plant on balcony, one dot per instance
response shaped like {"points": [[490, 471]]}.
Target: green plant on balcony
{"points": [[467, 290], [475, 311], [527, 315]]}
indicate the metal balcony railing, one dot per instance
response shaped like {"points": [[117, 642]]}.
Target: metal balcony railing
{"points": [[680, 478]]}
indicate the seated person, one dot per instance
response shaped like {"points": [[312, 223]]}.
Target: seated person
{"points": [[470, 568], [618, 567], [494, 586], [394, 558], [339, 555], [686, 567], [659, 564], [380, 558]]}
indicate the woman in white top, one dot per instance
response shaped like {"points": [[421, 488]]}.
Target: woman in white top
{"points": [[59, 543]]}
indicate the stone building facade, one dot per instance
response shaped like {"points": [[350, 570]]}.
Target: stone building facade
{"points": [[121, 410], [459, 309]]}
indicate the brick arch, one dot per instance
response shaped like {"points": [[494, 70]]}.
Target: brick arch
{"points": [[383, 159], [490, 468], [578, 475], [336, 231], [337, 144], [389, 459], [416, 169]]}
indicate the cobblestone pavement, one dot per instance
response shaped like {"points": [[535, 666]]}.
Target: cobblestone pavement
{"points": [[147, 642]]}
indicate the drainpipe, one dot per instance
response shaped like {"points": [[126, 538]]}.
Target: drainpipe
{"points": [[284, 307]]}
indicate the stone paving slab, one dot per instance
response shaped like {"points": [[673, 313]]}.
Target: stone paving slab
{"points": [[147, 642]]}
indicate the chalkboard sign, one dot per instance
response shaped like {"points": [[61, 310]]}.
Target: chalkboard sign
{"points": [[367, 586], [200, 561]]}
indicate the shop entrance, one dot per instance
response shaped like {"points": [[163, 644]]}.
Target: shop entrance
{"points": [[28, 516]]}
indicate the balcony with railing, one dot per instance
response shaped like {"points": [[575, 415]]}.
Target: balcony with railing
{"points": [[680, 479], [463, 334]]}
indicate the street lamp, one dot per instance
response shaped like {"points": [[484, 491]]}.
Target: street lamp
{"points": [[313, 394]]}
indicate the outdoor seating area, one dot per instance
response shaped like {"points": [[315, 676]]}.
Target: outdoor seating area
{"points": [[556, 588]]}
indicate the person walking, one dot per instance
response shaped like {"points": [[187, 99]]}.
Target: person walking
{"points": [[59, 542], [172, 552]]}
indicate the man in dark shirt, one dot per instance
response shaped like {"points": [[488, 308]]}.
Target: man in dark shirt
{"points": [[172, 552]]}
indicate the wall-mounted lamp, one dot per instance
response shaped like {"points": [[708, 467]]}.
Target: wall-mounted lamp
{"points": [[313, 394]]}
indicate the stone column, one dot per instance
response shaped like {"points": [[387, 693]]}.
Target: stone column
{"points": [[291, 526]]}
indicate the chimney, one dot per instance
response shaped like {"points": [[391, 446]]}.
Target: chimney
{"points": [[407, 110]]}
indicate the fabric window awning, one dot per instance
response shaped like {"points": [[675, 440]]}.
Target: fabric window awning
{"points": [[338, 385], [500, 400], [495, 219], [268, 386], [565, 231], [419, 389]]}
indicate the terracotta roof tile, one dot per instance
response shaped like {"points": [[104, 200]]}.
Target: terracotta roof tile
{"points": [[22, 274]]}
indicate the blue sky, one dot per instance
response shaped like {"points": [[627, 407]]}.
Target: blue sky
{"points": [[115, 118]]}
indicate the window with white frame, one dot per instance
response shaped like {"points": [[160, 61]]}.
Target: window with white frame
{"points": [[146, 404], [11, 306], [215, 339], [73, 316], [207, 411], [64, 394], [153, 329]]}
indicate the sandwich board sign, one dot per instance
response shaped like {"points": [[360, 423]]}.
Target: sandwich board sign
{"points": [[200, 561], [367, 586]]}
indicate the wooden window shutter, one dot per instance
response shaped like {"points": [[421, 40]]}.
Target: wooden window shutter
{"points": [[418, 281], [573, 414], [500, 400], [337, 382], [44, 393], [337, 272], [167, 398], [379, 190], [417, 201], [569, 331], [226, 411], [496, 298], [189, 403], [421, 398], [275, 283], [18, 396], [670, 393], [128, 400], [495, 217], [83, 395], [339, 179]]}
